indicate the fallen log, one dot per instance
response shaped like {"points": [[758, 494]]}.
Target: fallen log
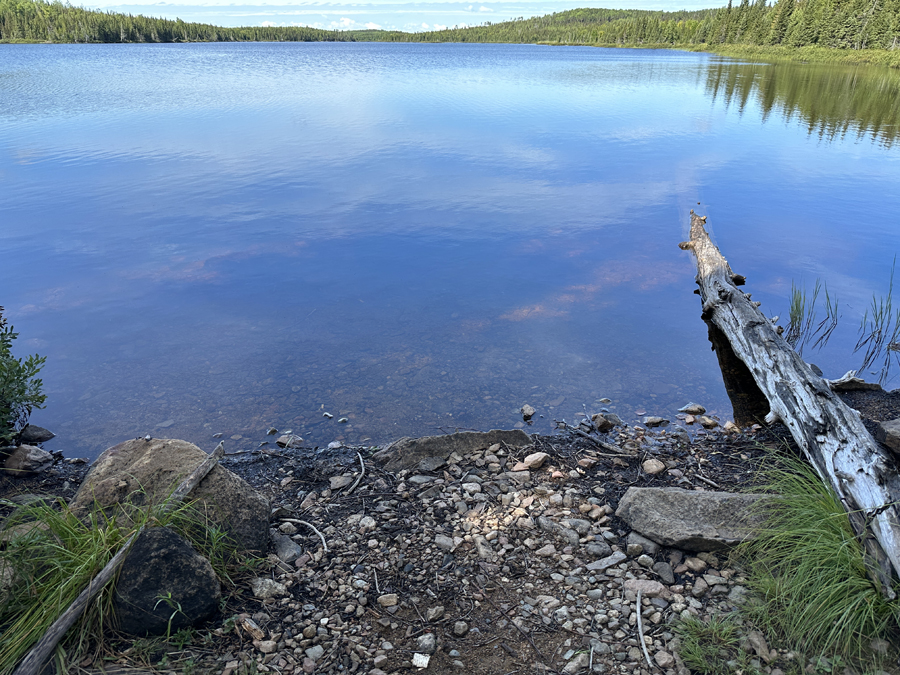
{"points": [[34, 661], [829, 433]]}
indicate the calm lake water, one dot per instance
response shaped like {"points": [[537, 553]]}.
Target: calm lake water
{"points": [[218, 238]]}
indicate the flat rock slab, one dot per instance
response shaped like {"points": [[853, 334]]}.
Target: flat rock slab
{"points": [[691, 520], [408, 452]]}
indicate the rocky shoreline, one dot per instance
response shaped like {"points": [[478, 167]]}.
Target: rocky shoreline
{"points": [[503, 559]]}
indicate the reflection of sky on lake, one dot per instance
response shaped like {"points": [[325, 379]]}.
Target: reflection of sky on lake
{"points": [[217, 238]]}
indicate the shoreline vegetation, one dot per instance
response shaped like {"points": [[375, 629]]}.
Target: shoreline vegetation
{"points": [[856, 32]]}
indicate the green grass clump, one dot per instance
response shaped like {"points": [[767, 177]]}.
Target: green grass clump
{"points": [[713, 646], [808, 571], [49, 555]]}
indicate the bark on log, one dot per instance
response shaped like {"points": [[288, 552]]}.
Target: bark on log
{"points": [[830, 434], [34, 661]]}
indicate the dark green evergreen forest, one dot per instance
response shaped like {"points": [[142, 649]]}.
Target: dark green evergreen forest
{"points": [[41, 21], [836, 24], [833, 24]]}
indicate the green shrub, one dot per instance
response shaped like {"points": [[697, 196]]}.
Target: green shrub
{"points": [[20, 388]]}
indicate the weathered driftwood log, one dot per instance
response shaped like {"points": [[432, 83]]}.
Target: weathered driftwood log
{"points": [[830, 434], [34, 661]]}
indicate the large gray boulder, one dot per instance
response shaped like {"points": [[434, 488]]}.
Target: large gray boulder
{"points": [[145, 472], [406, 453], [164, 585], [692, 520]]}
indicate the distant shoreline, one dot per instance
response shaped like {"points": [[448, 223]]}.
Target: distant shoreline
{"points": [[773, 54]]}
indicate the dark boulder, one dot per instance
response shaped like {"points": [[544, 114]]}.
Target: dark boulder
{"points": [[164, 580]]}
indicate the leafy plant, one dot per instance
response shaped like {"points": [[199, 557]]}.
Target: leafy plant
{"points": [[809, 573], [20, 388]]}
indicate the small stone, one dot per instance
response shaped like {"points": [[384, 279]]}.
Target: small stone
{"points": [[692, 409], [267, 646], [664, 659], [535, 460], [654, 421], [315, 652], [579, 662], [35, 434], [601, 422], [605, 563], [28, 459], [700, 588], [289, 441], [343, 420], [426, 643], [527, 412], [665, 572], [653, 466], [546, 551], [695, 564], [338, 482], [443, 542], [435, 613], [707, 422], [731, 428], [645, 560], [309, 666], [460, 628], [387, 600], [648, 587], [264, 588]]}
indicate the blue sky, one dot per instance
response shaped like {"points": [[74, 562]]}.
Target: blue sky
{"points": [[408, 16]]}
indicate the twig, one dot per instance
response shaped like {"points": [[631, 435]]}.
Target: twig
{"points": [[310, 526], [362, 473], [707, 481], [611, 450], [377, 588], [640, 627]]}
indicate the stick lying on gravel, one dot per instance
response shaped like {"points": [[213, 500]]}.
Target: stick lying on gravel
{"points": [[34, 661]]}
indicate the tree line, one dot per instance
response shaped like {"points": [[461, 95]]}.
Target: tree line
{"points": [[43, 21], [836, 24]]}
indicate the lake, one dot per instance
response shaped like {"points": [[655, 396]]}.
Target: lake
{"points": [[218, 238]]}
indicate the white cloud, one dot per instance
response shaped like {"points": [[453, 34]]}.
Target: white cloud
{"points": [[438, 26], [268, 24], [485, 9], [425, 26], [372, 26]]}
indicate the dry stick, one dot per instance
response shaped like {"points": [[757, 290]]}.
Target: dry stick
{"points": [[310, 526], [34, 661], [640, 627], [612, 450], [362, 473]]}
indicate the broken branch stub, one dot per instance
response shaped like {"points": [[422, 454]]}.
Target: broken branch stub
{"points": [[829, 433]]}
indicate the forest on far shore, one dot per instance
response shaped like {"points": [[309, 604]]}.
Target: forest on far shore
{"points": [[831, 24]]}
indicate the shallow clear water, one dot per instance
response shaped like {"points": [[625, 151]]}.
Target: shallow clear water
{"points": [[218, 238]]}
